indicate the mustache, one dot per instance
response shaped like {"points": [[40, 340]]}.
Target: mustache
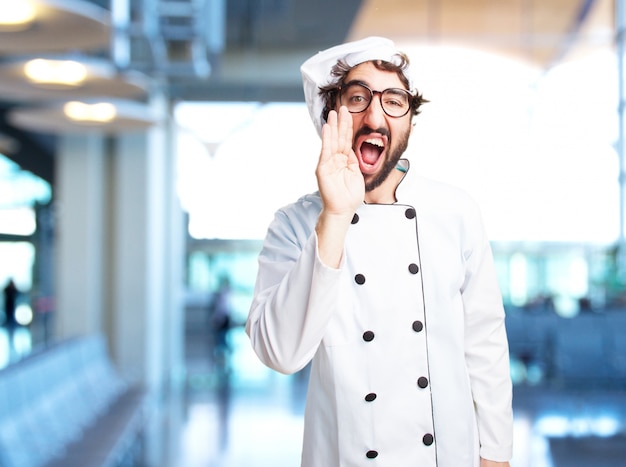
{"points": [[365, 130]]}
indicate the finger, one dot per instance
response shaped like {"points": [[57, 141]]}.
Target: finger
{"points": [[344, 139], [329, 136]]}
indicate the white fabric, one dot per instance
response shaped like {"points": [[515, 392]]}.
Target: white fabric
{"points": [[316, 70], [303, 311]]}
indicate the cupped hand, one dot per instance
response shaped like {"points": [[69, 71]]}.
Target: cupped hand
{"points": [[339, 177]]}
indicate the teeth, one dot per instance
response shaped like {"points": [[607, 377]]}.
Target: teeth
{"points": [[376, 142]]}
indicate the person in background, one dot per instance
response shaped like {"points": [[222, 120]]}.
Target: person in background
{"points": [[10, 304], [220, 322], [385, 282], [220, 316]]}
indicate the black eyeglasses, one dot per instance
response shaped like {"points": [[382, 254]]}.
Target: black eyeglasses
{"points": [[357, 98]]}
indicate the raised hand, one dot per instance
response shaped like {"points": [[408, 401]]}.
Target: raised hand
{"points": [[338, 175], [341, 186]]}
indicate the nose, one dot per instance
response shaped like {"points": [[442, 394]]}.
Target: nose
{"points": [[374, 115]]}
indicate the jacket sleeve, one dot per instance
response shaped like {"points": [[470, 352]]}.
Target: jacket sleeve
{"points": [[486, 346], [293, 298]]}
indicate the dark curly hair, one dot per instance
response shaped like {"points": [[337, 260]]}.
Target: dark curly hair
{"points": [[330, 92]]}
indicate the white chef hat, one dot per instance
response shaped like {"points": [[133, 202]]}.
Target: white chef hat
{"points": [[316, 70]]}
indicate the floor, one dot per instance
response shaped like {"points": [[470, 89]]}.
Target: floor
{"points": [[233, 412], [256, 421]]}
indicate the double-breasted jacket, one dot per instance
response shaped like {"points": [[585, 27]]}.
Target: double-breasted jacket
{"points": [[406, 339]]}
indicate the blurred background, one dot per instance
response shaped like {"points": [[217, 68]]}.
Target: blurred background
{"points": [[145, 146]]}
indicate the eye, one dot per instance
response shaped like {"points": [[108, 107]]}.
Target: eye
{"points": [[357, 96], [395, 98], [393, 103]]}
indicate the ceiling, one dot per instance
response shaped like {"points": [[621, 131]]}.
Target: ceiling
{"points": [[539, 31], [263, 43], [267, 41]]}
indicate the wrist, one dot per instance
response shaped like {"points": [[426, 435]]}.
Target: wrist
{"points": [[331, 230], [488, 463]]}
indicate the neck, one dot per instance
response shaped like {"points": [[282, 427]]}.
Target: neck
{"points": [[386, 192]]}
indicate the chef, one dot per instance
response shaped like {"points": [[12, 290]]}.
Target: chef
{"points": [[385, 282]]}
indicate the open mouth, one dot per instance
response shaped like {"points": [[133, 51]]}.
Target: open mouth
{"points": [[370, 152]]}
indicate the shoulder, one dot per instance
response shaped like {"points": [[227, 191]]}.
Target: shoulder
{"points": [[308, 203], [296, 220], [445, 209], [303, 211], [434, 194]]}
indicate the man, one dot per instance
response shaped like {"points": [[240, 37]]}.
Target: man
{"points": [[10, 302], [385, 281]]}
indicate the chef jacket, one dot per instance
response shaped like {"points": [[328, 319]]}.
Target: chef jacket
{"points": [[407, 340]]}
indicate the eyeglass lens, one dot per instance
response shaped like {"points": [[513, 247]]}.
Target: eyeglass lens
{"points": [[357, 98]]}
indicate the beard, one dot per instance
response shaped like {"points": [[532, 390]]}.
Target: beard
{"points": [[394, 155]]}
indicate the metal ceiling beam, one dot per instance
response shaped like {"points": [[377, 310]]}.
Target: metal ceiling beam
{"points": [[240, 92], [34, 152]]}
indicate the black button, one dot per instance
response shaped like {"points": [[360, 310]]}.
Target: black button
{"points": [[355, 218], [370, 397], [410, 213], [359, 279], [368, 336], [371, 454], [417, 326], [428, 439], [413, 268], [422, 382]]}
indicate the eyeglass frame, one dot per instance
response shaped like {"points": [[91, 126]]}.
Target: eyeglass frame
{"points": [[372, 94]]}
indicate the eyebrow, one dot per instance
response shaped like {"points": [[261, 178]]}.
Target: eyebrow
{"points": [[363, 83], [357, 81]]}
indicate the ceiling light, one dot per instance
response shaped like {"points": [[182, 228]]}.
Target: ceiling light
{"points": [[101, 112], [55, 73], [110, 116], [101, 80], [17, 15]]}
